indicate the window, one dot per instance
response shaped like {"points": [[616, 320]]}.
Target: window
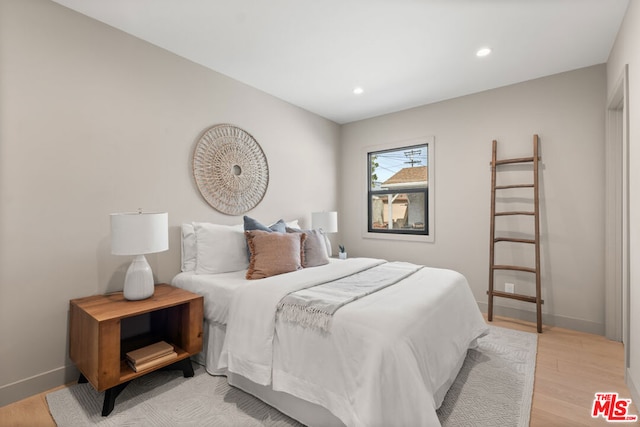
{"points": [[399, 183]]}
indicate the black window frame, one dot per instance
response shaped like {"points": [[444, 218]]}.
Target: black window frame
{"points": [[398, 190]]}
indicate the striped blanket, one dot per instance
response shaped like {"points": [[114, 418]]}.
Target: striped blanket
{"points": [[314, 307]]}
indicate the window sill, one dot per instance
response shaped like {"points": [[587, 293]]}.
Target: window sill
{"points": [[400, 237]]}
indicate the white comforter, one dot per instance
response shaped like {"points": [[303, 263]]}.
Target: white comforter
{"points": [[388, 359]]}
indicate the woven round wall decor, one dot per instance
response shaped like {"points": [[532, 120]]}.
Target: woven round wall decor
{"points": [[230, 169]]}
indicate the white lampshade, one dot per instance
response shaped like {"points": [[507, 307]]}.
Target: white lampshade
{"points": [[138, 233], [327, 221]]}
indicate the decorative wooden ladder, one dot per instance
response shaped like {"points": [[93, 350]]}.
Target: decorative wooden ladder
{"points": [[535, 241]]}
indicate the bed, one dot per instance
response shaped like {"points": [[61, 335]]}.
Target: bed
{"points": [[387, 358]]}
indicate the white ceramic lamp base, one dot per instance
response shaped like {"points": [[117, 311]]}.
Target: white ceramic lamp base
{"points": [[138, 283]]}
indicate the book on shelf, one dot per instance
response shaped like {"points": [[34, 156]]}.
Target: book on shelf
{"points": [[150, 352], [137, 367]]}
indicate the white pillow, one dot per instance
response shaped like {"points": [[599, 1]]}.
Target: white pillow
{"points": [[292, 224], [220, 248], [189, 251]]}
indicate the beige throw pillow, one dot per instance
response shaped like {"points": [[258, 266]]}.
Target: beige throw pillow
{"points": [[274, 253]]}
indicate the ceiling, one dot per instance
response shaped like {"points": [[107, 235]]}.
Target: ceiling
{"points": [[403, 53]]}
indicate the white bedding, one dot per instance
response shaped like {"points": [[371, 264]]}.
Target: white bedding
{"points": [[217, 290], [389, 358]]}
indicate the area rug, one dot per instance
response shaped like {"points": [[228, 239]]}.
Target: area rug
{"points": [[494, 388], [495, 385]]}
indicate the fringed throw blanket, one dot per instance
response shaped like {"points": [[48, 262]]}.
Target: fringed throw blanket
{"points": [[315, 306]]}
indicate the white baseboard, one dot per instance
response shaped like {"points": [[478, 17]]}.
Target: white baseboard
{"points": [[19, 390], [547, 319], [628, 379]]}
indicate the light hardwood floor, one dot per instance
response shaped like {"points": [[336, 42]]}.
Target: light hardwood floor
{"points": [[571, 367]]}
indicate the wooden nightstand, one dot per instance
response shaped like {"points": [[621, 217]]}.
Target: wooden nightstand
{"points": [[98, 322]]}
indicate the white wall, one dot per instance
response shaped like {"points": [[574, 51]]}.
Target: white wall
{"points": [[94, 121], [567, 111], [626, 50]]}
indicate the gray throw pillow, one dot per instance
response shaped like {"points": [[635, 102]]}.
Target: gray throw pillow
{"points": [[315, 247], [251, 224]]}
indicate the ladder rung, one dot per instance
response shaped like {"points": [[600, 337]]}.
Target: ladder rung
{"points": [[518, 160], [514, 213], [514, 267], [504, 187], [510, 239], [519, 297]]}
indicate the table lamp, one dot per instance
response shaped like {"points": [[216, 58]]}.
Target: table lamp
{"points": [[327, 221], [139, 233]]}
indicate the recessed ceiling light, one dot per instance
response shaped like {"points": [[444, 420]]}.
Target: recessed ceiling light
{"points": [[483, 52], [358, 90]]}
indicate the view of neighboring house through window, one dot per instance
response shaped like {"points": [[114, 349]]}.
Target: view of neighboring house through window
{"points": [[398, 190]]}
